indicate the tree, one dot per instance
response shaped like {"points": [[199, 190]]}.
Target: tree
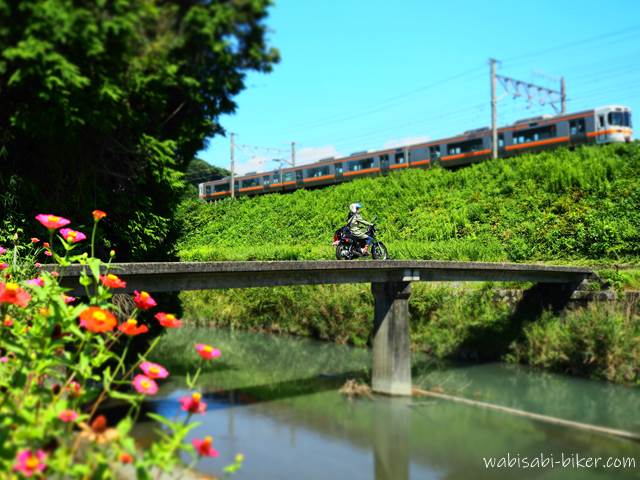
{"points": [[105, 103], [200, 171]]}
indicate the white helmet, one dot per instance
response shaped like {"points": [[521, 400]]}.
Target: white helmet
{"points": [[354, 207]]}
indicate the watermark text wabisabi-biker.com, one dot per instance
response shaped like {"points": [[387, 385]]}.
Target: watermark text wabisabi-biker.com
{"points": [[564, 460]]}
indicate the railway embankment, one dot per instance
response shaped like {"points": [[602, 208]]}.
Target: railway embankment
{"points": [[565, 206]]}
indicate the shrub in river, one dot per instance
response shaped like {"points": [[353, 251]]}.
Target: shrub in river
{"points": [[58, 365]]}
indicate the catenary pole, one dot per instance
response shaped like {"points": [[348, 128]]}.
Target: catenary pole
{"points": [[232, 186], [494, 113], [293, 154]]}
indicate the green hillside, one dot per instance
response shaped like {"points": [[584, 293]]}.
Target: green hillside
{"points": [[578, 206]]}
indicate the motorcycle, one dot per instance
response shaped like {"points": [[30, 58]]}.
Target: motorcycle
{"points": [[349, 247]]}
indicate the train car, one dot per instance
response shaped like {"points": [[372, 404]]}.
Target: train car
{"points": [[608, 124]]}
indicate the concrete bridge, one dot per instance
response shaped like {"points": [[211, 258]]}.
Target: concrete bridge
{"points": [[390, 284]]}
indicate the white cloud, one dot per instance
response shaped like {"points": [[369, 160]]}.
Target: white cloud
{"points": [[313, 154], [401, 142], [257, 163]]}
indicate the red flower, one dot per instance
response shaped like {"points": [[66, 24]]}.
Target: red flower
{"points": [[35, 239], [97, 320], [112, 281], [131, 328], [52, 221], [193, 404], [12, 293], [98, 215], [125, 457], [143, 300], [204, 448], [168, 320]]}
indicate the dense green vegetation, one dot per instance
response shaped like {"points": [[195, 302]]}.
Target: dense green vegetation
{"points": [[104, 104], [468, 322], [576, 206], [564, 205]]}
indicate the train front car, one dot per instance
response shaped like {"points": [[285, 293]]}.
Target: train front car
{"points": [[612, 124]]}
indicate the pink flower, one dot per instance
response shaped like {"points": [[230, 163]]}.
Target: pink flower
{"points": [[35, 282], [68, 298], [29, 463], [153, 370], [4, 265], [143, 300], [68, 416], [2, 250], [4, 359], [204, 448], [144, 384], [207, 351], [35, 239], [37, 264], [193, 404], [72, 236], [52, 222], [48, 253]]}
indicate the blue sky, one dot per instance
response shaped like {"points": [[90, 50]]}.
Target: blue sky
{"points": [[365, 74]]}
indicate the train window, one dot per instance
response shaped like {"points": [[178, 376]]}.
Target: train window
{"points": [[501, 140], [298, 175], [620, 119], [601, 121], [289, 177], [384, 161], [361, 164], [576, 126], [435, 152], [399, 158], [207, 189], [223, 187], [338, 167], [534, 134], [316, 172], [251, 182], [236, 186], [465, 147]]}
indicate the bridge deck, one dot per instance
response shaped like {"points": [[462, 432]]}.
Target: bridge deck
{"points": [[176, 276]]}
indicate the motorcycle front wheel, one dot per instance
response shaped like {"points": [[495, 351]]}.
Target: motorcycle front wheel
{"points": [[379, 251], [342, 252]]}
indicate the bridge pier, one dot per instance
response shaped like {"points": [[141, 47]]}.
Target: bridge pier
{"points": [[391, 373]]}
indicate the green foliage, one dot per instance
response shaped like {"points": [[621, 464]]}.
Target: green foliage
{"points": [[600, 341], [106, 103], [200, 171], [567, 205]]}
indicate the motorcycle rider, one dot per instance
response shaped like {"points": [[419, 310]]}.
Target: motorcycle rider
{"points": [[358, 226]]}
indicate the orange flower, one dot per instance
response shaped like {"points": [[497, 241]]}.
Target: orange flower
{"points": [[98, 215], [97, 320], [12, 293], [126, 457], [131, 327], [168, 320], [112, 281]]}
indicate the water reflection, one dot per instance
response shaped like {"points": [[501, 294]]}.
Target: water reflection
{"points": [[276, 401]]}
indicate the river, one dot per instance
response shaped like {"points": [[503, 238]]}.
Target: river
{"points": [[275, 399]]}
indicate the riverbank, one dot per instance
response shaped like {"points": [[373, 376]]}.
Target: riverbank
{"points": [[468, 322]]}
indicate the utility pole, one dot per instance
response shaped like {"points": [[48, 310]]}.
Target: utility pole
{"points": [[494, 110], [563, 96], [293, 154], [232, 186]]}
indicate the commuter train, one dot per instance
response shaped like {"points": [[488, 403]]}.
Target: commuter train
{"points": [[607, 124]]}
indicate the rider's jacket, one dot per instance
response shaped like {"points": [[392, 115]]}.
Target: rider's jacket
{"points": [[358, 226]]}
